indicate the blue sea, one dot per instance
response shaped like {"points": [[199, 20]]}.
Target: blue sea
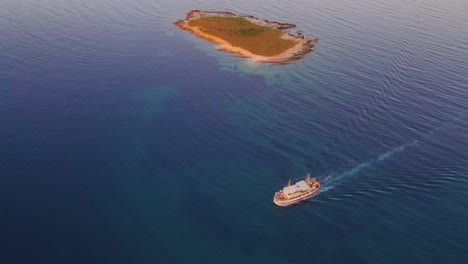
{"points": [[124, 139]]}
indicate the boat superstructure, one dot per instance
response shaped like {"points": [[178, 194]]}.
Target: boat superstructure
{"points": [[294, 193]]}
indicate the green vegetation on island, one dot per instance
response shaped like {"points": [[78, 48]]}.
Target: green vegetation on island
{"points": [[239, 32], [247, 36]]}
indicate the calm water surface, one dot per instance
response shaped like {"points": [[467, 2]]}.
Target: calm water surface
{"points": [[126, 140]]}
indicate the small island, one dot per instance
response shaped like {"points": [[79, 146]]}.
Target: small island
{"points": [[248, 36]]}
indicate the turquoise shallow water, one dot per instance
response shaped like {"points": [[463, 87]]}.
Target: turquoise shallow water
{"points": [[127, 140]]}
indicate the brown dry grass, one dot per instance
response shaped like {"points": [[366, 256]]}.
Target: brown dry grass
{"points": [[240, 32]]}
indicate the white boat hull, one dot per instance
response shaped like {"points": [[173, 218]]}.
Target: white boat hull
{"points": [[284, 203]]}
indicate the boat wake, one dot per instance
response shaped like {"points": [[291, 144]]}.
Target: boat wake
{"points": [[324, 189], [332, 180]]}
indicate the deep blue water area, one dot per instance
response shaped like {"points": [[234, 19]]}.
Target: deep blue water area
{"points": [[127, 140]]}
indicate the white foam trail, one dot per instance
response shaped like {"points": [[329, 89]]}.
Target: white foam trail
{"points": [[328, 177], [324, 189], [329, 182]]}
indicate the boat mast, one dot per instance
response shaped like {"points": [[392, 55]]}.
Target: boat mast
{"points": [[307, 178]]}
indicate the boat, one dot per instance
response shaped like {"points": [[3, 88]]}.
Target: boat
{"points": [[294, 193]]}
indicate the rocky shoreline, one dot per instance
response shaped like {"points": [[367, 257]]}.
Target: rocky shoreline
{"points": [[298, 51]]}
